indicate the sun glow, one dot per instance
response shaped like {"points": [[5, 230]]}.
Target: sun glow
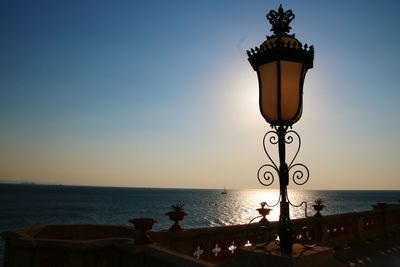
{"points": [[240, 97]]}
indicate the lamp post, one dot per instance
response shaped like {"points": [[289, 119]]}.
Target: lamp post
{"points": [[281, 63]]}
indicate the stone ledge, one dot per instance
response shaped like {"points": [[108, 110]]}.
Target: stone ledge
{"points": [[271, 256]]}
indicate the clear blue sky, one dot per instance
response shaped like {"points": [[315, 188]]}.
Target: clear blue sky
{"points": [[160, 93]]}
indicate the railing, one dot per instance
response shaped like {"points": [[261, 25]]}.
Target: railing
{"points": [[107, 245], [336, 231]]}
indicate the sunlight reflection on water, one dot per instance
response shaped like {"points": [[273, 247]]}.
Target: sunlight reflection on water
{"points": [[25, 205], [239, 207]]}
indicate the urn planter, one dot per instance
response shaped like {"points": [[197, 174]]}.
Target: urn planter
{"points": [[264, 212], [176, 217], [143, 225], [318, 208]]}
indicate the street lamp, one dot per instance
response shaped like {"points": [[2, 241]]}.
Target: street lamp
{"points": [[281, 63]]}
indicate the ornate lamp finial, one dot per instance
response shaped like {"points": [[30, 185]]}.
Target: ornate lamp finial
{"points": [[280, 20]]}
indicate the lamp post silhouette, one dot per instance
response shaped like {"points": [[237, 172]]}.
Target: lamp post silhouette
{"points": [[281, 63]]}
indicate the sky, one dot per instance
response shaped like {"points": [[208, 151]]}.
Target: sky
{"points": [[160, 93]]}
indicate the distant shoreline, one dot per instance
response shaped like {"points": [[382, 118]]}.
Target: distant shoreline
{"points": [[9, 182]]}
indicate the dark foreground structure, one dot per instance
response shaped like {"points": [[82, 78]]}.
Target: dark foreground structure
{"points": [[370, 238]]}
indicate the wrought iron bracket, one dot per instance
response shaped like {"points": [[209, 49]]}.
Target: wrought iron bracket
{"points": [[297, 171]]}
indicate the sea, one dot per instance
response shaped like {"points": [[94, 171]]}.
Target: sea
{"points": [[26, 205]]}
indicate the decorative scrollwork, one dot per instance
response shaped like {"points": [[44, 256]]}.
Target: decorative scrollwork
{"points": [[274, 205], [290, 136], [310, 235], [300, 174], [265, 174], [270, 137], [299, 205], [264, 236]]}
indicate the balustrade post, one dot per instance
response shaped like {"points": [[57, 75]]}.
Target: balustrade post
{"points": [[324, 229], [359, 229], [385, 223]]}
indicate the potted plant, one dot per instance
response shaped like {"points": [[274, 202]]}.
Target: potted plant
{"points": [[142, 225], [263, 212], [318, 207], [176, 214]]}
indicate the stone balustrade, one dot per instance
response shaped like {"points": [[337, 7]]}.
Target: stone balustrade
{"points": [[336, 231], [112, 245]]}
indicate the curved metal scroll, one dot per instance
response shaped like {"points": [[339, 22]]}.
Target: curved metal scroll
{"points": [[289, 139], [300, 173], [273, 139], [266, 173], [262, 235], [309, 235]]}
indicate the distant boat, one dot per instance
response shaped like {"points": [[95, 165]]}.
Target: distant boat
{"points": [[224, 191]]}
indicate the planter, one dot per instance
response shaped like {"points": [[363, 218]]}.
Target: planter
{"points": [[318, 208], [176, 217], [264, 212], [142, 225]]}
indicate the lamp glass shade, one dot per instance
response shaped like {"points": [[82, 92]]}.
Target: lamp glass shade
{"points": [[281, 91]]}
